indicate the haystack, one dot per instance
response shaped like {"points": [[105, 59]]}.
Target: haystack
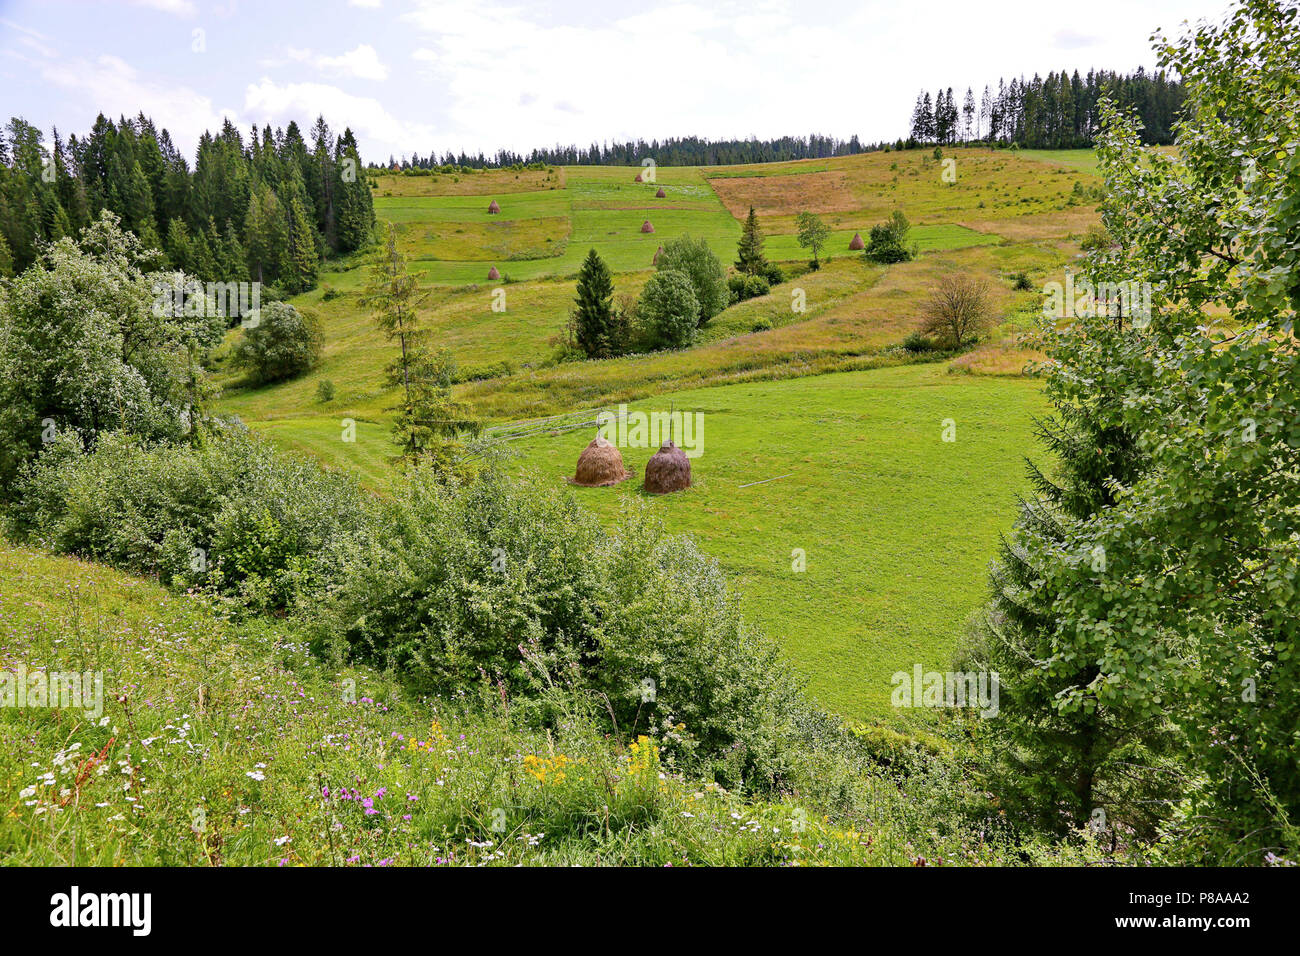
{"points": [[667, 470], [493, 274], [600, 465], [856, 242], [646, 227], [658, 252], [638, 178], [493, 208], [660, 194]]}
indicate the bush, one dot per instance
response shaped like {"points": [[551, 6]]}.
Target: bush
{"points": [[773, 274], [917, 342], [325, 391], [228, 513], [744, 286], [521, 587], [85, 347], [694, 259], [1020, 282], [669, 309], [888, 241], [284, 343]]}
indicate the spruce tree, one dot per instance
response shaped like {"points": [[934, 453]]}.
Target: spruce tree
{"points": [[749, 253], [178, 248], [299, 263], [593, 317]]}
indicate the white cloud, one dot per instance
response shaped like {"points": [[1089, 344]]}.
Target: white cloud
{"points": [[270, 102], [109, 85], [181, 8], [363, 63], [367, 4]]}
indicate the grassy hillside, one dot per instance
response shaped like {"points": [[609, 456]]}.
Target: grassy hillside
{"points": [[871, 474], [897, 525], [220, 744]]}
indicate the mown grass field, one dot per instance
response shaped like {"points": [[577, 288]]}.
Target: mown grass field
{"points": [[872, 485], [897, 525]]}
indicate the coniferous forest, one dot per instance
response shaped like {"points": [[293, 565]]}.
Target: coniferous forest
{"points": [[1059, 112], [266, 208]]}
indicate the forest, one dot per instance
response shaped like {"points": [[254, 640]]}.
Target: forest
{"points": [[267, 208]]}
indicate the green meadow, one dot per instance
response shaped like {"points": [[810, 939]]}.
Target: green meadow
{"points": [[808, 381], [896, 525]]}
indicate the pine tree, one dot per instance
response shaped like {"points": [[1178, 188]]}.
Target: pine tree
{"points": [[299, 263], [749, 253], [1053, 766], [593, 317], [178, 248], [391, 292]]}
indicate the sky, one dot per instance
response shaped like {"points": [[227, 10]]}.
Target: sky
{"points": [[415, 76]]}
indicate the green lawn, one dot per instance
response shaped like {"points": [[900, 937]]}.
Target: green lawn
{"points": [[897, 525]]}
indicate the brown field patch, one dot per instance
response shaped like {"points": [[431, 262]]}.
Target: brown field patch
{"points": [[480, 183], [1054, 224], [824, 192]]}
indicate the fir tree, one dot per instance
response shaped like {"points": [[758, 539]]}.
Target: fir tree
{"points": [[749, 253], [593, 317]]}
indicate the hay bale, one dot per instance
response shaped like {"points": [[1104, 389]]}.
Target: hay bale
{"points": [[658, 252], [646, 227], [856, 242], [638, 178], [668, 470], [493, 274], [493, 208], [660, 194], [600, 465]]}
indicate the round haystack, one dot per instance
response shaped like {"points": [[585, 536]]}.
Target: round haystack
{"points": [[658, 252], [660, 194], [667, 470], [493, 208], [600, 465], [646, 227], [856, 242], [493, 274], [638, 178]]}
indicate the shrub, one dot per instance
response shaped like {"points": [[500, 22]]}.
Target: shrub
{"points": [[84, 347], [917, 342], [325, 391], [669, 308], [745, 286], [1020, 282], [888, 241], [694, 259], [518, 585], [282, 344], [228, 513]]}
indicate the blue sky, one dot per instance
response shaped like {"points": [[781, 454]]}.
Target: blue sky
{"points": [[421, 75]]}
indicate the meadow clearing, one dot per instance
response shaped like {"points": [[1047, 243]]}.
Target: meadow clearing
{"points": [[897, 524]]}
